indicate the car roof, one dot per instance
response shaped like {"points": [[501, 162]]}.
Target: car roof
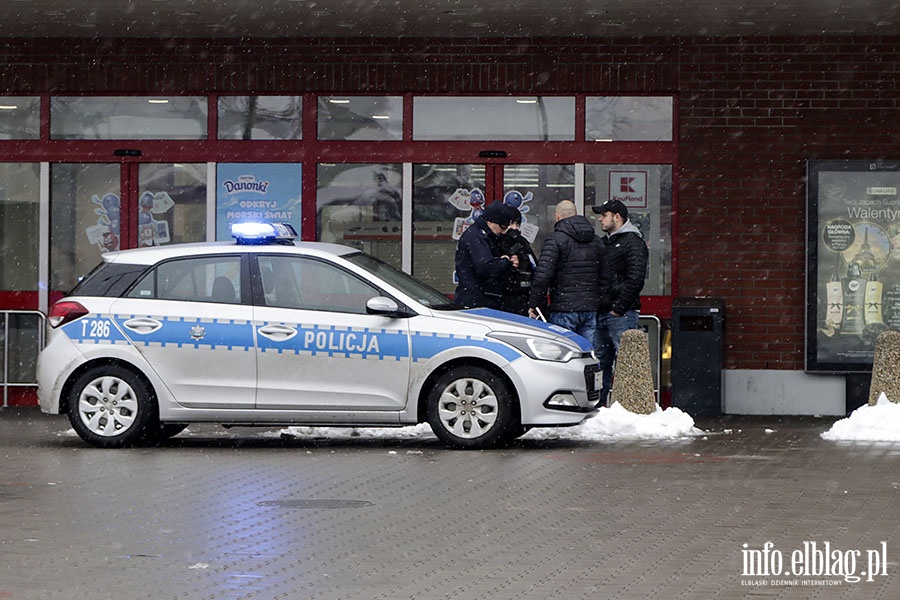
{"points": [[155, 254]]}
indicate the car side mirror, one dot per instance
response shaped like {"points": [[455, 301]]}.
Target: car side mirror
{"points": [[382, 305]]}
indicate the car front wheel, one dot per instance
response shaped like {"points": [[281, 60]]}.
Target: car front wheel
{"points": [[111, 407], [471, 408]]}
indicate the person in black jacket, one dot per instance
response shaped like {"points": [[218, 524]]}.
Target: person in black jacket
{"points": [[482, 269], [621, 281], [568, 270], [513, 243]]}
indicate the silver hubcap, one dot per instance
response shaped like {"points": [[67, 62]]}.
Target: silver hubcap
{"points": [[468, 408], [107, 406]]}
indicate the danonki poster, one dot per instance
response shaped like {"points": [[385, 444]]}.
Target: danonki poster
{"points": [[857, 262]]}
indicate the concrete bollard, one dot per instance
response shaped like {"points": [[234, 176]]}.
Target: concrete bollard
{"points": [[885, 373], [632, 385]]}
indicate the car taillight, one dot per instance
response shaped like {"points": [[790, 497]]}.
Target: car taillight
{"points": [[64, 311]]}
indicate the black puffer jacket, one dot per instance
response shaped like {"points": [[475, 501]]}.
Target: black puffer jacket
{"points": [[480, 271], [624, 270], [569, 268]]}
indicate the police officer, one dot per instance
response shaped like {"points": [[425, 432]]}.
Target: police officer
{"points": [[482, 269], [512, 243]]}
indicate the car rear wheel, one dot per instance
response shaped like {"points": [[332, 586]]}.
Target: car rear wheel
{"points": [[471, 408], [111, 407]]}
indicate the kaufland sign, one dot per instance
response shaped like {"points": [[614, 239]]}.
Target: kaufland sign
{"points": [[629, 187]]}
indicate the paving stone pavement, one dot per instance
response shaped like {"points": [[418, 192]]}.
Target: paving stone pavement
{"points": [[243, 514]]}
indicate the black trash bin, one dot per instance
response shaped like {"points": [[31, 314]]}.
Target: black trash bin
{"points": [[697, 347]]}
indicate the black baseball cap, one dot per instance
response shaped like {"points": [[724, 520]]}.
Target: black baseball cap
{"points": [[499, 213], [613, 206]]}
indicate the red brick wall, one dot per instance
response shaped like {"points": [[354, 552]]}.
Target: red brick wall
{"points": [[751, 112]]}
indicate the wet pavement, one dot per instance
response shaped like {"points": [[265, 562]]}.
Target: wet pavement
{"points": [[759, 507]]}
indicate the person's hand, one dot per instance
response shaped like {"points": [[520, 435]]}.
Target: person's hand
{"points": [[532, 313], [513, 259]]}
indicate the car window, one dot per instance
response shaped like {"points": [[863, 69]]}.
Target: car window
{"points": [[108, 279], [205, 279], [310, 284]]}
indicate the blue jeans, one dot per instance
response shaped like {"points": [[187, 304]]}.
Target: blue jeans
{"points": [[606, 345], [583, 323]]}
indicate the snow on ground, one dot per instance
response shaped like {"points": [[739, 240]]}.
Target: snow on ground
{"points": [[614, 423], [878, 423]]}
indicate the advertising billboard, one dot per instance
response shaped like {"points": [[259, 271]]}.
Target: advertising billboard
{"points": [[853, 261], [266, 192]]}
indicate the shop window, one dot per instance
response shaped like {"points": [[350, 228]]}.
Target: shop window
{"points": [[628, 119], [260, 118], [446, 200], [85, 221], [19, 215], [171, 203], [646, 190], [128, 118], [360, 205], [20, 118], [535, 190], [508, 118], [360, 117]]}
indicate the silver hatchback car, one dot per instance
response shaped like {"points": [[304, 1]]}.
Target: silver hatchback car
{"points": [[269, 331]]}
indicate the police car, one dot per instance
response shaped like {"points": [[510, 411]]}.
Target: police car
{"points": [[266, 330]]}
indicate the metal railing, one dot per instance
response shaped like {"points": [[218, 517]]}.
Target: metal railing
{"points": [[22, 337]]}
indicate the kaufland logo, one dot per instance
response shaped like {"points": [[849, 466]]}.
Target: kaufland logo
{"points": [[629, 188], [811, 564]]}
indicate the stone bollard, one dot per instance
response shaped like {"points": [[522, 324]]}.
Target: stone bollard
{"points": [[632, 385], [885, 373]]}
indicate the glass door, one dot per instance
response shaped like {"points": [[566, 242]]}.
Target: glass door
{"points": [[447, 198], [102, 207]]}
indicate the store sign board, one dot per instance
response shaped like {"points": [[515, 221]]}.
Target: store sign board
{"points": [[853, 262]]}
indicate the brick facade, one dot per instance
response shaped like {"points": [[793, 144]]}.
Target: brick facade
{"points": [[751, 111]]}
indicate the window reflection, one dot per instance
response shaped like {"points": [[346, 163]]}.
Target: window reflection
{"points": [[532, 118], [360, 205], [20, 118], [360, 117], [628, 119], [260, 118], [128, 118]]}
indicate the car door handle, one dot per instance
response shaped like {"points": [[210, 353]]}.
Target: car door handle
{"points": [[142, 325], [277, 333]]}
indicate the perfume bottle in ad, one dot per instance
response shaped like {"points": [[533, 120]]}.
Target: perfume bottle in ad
{"points": [[873, 300], [854, 299], [834, 302]]}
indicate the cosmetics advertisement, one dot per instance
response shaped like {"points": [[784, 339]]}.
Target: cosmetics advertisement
{"points": [[854, 262]]}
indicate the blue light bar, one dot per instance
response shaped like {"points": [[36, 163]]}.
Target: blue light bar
{"points": [[263, 233]]}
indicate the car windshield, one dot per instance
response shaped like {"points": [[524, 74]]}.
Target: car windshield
{"points": [[423, 294]]}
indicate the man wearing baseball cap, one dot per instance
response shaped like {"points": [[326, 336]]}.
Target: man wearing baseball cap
{"points": [[622, 276]]}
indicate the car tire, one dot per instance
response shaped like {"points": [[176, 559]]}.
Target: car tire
{"points": [[111, 407], [471, 408]]}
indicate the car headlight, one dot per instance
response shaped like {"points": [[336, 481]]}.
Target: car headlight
{"points": [[539, 348]]}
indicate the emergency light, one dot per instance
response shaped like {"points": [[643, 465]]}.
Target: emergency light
{"points": [[250, 233]]}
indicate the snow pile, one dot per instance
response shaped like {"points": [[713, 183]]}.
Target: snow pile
{"points": [[879, 423]]}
